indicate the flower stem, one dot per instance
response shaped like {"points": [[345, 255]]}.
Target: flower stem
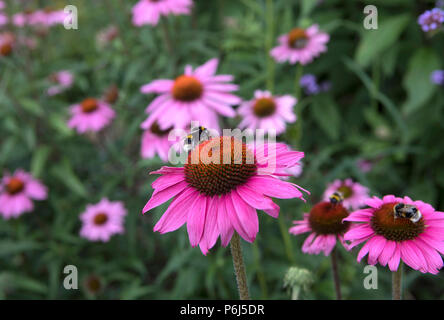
{"points": [[334, 269], [397, 283], [239, 267], [269, 15], [166, 36]]}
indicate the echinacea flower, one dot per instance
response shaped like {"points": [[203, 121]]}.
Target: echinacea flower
{"points": [[3, 19], [300, 45], [197, 95], [431, 19], [17, 193], [267, 112], [388, 240], [62, 80], [150, 11], [155, 141], [325, 225], [354, 193], [90, 115], [220, 188], [103, 220], [437, 77], [7, 43]]}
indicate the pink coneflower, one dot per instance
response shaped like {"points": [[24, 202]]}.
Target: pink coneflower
{"points": [[267, 112], [90, 115], [300, 45], [17, 192], [102, 220], [388, 240], [197, 95], [7, 43], [150, 11], [155, 141], [219, 190], [324, 223], [354, 193], [62, 80], [3, 19]]}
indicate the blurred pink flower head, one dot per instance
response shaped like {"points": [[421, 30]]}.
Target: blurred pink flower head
{"points": [[354, 193], [7, 43], [197, 95], [90, 115], [43, 17], [2, 5], [102, 220], [300, 45], [150, 11], [325, 225], [155, 141], [389, 239], [267, 112], [216, 195], [3, 19], [17, 193], [62, 80]]}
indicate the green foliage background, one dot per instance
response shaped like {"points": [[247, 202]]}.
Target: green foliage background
{"points": [[382, 107]]}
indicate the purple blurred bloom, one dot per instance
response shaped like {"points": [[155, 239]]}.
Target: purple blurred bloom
{"points": [[431, 19], [310, 85], [437, 77]]}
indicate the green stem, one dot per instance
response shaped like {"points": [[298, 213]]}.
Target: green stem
{"points": [[287, 240], [397, 283], [260, 272], [166, 36], [298, 110], [269, 17], [334, 269], [239, 267]]}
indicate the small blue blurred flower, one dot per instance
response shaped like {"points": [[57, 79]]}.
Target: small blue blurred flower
{"points": [[431, 19], [437, 77], [310, 85]]}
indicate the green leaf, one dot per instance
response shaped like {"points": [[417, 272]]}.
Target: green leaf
{"points": [[375, 42], [13, 247], [326, 114], [64, 172], [39, 160], [32, 106], [417, 79]]}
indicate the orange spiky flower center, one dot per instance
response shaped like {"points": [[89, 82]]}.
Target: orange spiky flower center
{"points": [[89, 105], [326, 218], [219, 165], [14, 186], [385, 224], [264, 107], [6, 49], [155, 128], [187, 88], [297, 38], [346, 191], [100, 219]]}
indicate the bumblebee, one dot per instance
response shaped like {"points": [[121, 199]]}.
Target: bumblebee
{"points": [[336, 197], [408, 211], [195, 137]]}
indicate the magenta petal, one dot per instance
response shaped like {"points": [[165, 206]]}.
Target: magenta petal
{"points": [[211, 231], [387, 252], [196, 220], [164, 195], [233, 216], [376, 244], [177, 213], [247, 216], [274, 187], [258, 201], [223, 222], [395, 259]]}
